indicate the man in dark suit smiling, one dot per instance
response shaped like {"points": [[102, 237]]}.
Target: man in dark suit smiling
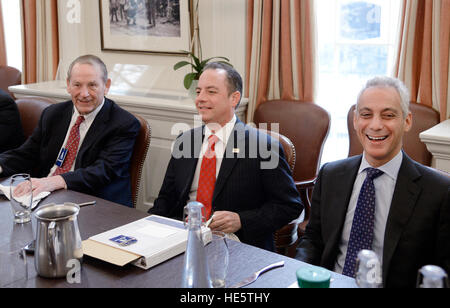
{"points": [[84, 144], [239, 174], [381, 200]]}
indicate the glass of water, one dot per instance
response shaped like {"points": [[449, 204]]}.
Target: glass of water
{"points": [[21, 194], [218, 255]]}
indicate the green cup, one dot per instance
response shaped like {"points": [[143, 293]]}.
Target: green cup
{"points": [[313, 277]]}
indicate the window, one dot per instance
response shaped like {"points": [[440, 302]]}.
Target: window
{"points": [[13, 32], [356, 41]]}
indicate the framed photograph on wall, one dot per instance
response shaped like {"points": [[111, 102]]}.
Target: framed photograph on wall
{"points": [[151, 26]]}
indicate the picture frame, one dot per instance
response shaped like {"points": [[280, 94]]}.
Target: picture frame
{"points": [[146, 26]]}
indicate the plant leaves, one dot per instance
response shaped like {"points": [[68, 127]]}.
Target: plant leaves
{"points": [[181, 64], [198, 66], [188, 80]]}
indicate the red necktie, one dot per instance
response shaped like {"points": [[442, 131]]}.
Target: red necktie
{"points": [[207, 179], [72, 147]]}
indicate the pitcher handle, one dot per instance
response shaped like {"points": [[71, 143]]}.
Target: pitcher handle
{"points": [[51, 236]]}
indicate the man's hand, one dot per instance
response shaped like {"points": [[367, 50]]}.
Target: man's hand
{"points": [[47, 184], [227, 222]]}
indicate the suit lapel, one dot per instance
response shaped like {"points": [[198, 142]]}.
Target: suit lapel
{"points": [[59, 131], [236, 141], [403, 202], [340, 198], [186, 177], [95, 131]]}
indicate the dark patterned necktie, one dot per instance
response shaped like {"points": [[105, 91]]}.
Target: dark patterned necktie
{"points": [[361, 234], [72, 147]]}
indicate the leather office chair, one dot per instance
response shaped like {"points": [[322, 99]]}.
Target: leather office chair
{"points": [[138, 157], [424, 117], [9, 76], [285, 239], [30, 109], [306, 125]]}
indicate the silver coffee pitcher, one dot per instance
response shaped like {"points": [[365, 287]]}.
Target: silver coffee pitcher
{"points": [[58, 240]]}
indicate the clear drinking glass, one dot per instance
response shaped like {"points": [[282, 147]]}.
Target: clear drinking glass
{"points": [[21, 197], [217, 254], [368, 268], [432, 276]]}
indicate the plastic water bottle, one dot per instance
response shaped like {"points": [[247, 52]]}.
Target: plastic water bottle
{"points": [[368, 273], [195, 269], [431, 276]]}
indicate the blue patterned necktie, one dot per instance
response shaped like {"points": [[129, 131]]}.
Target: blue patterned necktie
{"points": [[361, 234]]}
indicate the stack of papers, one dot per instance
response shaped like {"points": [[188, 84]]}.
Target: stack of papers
{"points": [[36, 199], [145, 243]]}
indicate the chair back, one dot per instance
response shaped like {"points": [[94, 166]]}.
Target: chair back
{"points": [[423, 118], [9, 76], [30, 109], [306, 125], [288, 147], [285, 238], [138, 157]]}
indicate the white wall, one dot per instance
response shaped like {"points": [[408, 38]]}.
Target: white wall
{"points": [[222, 28]]}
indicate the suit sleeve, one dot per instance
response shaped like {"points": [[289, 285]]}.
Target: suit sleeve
{"points": [[11, 134], [167, 198], [311, 246], [443, 237], [282, 202], [112, 162], [25, 157]]}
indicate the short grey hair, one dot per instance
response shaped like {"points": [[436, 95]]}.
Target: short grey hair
{"points": [[92, 60], [390, 82]]}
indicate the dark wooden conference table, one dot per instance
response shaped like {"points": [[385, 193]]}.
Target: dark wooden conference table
{"points": [[105, 215]]}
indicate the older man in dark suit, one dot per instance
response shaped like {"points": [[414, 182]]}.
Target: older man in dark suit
{"points": [[84, 144], [11, 133], [381, 200], [239, 174]]}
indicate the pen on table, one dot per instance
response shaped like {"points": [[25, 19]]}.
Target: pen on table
{"points": [[87, 203]]}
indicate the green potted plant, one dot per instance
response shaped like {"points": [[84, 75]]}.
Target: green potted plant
{"points": [[197, 67]]}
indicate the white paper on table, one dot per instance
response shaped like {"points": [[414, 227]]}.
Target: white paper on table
{"points": [[156, 231], [5, 190]]}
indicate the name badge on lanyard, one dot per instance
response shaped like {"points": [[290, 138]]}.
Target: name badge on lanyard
{"points": [[61, 157]]}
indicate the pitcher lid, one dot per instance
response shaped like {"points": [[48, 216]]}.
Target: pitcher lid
{"points": [[56, 212]]}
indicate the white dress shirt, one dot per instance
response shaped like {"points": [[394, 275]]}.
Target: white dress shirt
{"points": [[384, 190], [223, 134], [84, 128]]}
